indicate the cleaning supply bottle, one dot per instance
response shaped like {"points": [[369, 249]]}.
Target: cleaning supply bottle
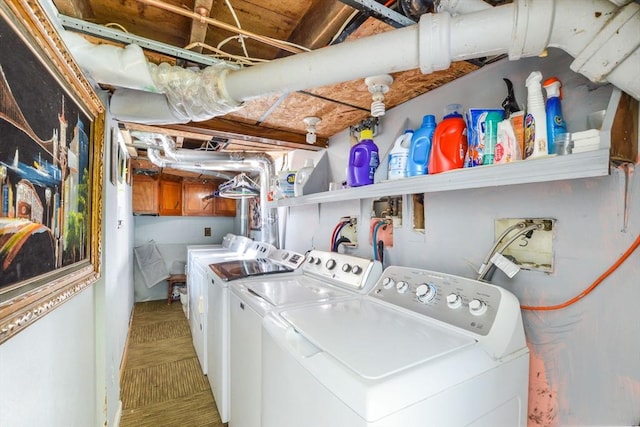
{"points": [[535, 122], [555, 122], [399, 156], [420, 148], [449, 141], [363, 160], [302, 176], [491, 137]]}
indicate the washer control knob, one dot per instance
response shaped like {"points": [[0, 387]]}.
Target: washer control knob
{"points": [[356, 270], [317, 261], [388, 283], [402, 287], [331, 264], [311, 260], [454, 300], [477, 307], [426, 292], [346, 268]]}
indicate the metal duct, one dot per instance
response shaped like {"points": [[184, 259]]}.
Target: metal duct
{"points": [[192, 160]]}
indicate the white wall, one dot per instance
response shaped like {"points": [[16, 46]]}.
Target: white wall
{"points": [[47, 371], [172, 235], [115, 308], [585, 359]]}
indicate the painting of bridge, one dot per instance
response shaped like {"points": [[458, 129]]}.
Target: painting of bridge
{"points": [[44, 168]]}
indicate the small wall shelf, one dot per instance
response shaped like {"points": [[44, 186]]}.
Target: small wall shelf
{"points": [[552, 168]]}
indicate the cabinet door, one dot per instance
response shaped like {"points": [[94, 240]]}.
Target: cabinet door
{"points": [[196, 200], [144, 191], [170, 198], [224, 207]]}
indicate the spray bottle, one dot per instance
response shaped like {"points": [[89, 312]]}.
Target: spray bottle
{"points": [[535, 122], [555, 122]]}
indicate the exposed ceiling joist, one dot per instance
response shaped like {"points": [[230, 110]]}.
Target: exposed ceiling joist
{"points": [[199, 26]]}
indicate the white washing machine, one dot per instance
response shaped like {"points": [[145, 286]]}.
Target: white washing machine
{"points": [[325, 276], [219, 275], [231, 244], [197, 289], [420, 349]]}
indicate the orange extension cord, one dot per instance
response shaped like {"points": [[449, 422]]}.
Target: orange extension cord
{"points": [[594, 285]]}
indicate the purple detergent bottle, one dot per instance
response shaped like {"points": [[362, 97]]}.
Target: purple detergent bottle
{"points": [[363, 160]]}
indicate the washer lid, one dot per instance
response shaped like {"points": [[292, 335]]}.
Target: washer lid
{"points": [[371, 339], [294, 290]]}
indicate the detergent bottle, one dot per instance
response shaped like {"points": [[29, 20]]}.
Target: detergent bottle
{"points": [[363, 160], [555, 122], [535, 121], [420, 148], [449, 141], [399, 156]]}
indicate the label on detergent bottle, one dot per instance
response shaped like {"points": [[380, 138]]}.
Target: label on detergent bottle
{"points": [[286, 182], [374, 162], [529, 135]]}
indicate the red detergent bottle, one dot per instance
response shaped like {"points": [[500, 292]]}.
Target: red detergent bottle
{"points": [[449, 145]]}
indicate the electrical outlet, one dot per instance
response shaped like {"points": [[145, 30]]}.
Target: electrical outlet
{"points": [[385, 232], [207, 232], [532, 251]]}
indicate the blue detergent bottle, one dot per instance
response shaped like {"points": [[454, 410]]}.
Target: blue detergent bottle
{"points": [[363, 160], [555, 121], [420, 148]]}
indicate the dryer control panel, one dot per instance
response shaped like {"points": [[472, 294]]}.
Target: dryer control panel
{"points": [[457, 301], [346, 271]]}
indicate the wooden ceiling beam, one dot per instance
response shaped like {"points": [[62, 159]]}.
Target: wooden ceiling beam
{"points": [[321, 22], [80, 9], [223, 128]]}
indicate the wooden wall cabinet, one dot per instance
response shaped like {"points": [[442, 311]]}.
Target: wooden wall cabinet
{"points": [[195, 200], [145, 195], [170, 197], [224, 207]]}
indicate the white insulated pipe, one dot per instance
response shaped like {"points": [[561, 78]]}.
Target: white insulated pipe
{"points": [[521, 29]]}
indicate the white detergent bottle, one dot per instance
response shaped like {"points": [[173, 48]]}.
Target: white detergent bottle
{"points": [[399, 155], [302, 176], [535, 122]]}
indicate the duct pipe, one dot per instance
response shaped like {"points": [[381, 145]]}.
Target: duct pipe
{"points": [[243, 217], [215, 161], [603, 38]]}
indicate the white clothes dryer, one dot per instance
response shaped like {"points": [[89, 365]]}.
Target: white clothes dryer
{"points": [[197, 289], [325, 276], [421, 349]]}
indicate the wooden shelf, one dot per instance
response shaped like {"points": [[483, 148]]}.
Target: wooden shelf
{"points": [[552, 168]]}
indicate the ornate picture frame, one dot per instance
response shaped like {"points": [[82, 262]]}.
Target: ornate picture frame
{"points": [[51, 170]]}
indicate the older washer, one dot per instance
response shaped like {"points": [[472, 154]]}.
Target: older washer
{"points": [[219, 274], [422, 348], [325, 276]]}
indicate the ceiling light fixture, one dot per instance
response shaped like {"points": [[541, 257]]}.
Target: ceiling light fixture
{"points": [[311, 123], [378, 86]]}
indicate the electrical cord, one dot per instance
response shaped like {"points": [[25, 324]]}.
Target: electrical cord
{"points": [[594, 285]]}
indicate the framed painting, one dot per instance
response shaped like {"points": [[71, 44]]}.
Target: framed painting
{"points": [[51, 138]]}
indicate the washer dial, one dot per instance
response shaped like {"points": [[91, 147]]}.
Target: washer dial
{"points": [[454, 301], [402, 287], [477, 307], [388, 283], [426, 292]]}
